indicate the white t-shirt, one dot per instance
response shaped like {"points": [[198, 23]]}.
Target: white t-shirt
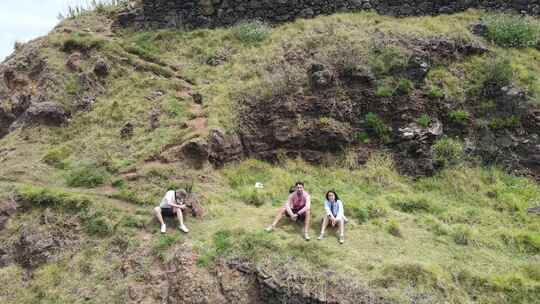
{"points": [[168, 199]]}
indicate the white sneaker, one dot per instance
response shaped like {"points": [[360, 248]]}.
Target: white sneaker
{"points": [[163, 228], [269, 228], [320, 237], [183, 228], [306, 237]]}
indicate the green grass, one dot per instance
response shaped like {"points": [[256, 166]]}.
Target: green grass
{"points": [[461, 236], [515, 31]]}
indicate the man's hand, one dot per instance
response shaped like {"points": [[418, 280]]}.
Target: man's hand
{"points": [[294, 217]]}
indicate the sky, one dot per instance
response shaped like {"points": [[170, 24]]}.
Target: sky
{"points": [[23, 20]]}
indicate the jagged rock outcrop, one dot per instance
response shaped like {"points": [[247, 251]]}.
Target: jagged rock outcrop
{"points": [[206, 13]]}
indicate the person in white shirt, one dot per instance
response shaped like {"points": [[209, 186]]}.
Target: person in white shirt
{"points": [[334, 215], [172, 205]]}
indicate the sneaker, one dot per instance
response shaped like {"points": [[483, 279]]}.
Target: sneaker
{"points": [[320, 237], [163, 228], [269, 228], [183, 228], [341, 239], [306, 237]]}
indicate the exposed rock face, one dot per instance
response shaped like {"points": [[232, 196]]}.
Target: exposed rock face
{"points": [[205, 13], [49, 113], [224, 148], [7, 209], [34, 248], [237, 281]]}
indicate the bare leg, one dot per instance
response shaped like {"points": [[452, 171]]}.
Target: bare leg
{"points": [[280, 214], [323, 227], [157, 213], [306, 224], [179, 216], [341, 227]]}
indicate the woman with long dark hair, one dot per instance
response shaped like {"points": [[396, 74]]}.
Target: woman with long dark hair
{"points": [[334, 215]]}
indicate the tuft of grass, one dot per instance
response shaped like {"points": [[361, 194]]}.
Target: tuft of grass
{"points": [[512, 31], [448, 152], [424, 120], [378, 127], [86, 175], [435, 92], [252, 32], [459, 116]]}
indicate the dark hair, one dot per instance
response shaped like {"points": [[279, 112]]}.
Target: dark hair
{"points": [[299, 183], [335, 194]]}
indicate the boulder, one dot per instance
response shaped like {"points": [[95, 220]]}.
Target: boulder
{"points": [[320, 76], [48, 113], [101, 68], [224, 148], [7, 209]]}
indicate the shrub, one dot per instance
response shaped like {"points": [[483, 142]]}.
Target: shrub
{"points": [[448, 152], [252, 196], [512, 30], [459, 116], [86, 175], [57, 157], [424, 120], [252, 32], [360, 214], [491, 75], [412, 205], [378, 127], [393, 228], [362, 137]]}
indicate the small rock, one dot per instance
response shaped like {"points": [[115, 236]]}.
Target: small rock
{"points": [[479, 29], [197, 98], [127, 131]]}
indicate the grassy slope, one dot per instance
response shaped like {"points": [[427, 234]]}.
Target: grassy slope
{"points": [[465, 236]]}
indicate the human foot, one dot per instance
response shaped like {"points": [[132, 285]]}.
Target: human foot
{"points": [[183, 228], [163, 228]]}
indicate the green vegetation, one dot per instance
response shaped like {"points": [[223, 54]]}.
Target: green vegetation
{"points": [[378, 127], [252, 32], [86, 175], [508, 30], [433, 239], [424, 120], [460, 117], [448, 152]]}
